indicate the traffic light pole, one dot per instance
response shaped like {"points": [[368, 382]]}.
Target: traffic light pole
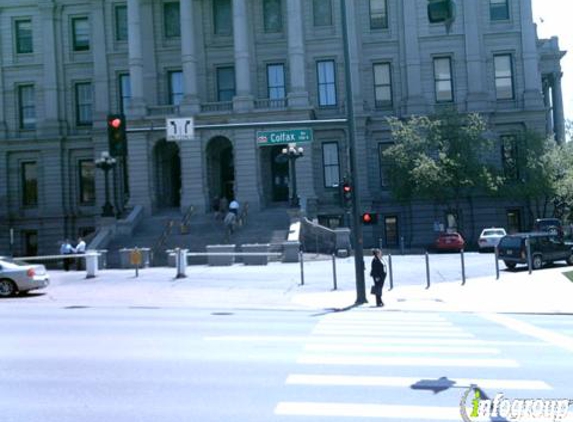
{"points": [[356, 226]]}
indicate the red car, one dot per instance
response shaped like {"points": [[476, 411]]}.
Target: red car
{"points": [[449, 242]]}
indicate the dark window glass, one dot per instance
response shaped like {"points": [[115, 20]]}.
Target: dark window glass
{"points": [[223, 17], [81, 34], [391, 230], [27, 104], [443, 79], [378, 14], [121, 32], [24, 40], [225, 83], [513, 221], [124, 92], [84, 103], [326, 83], [172, 20], [330, 164], [87, 182], [175, 87], [29, 184], [276, 81], [503, 77], [384, 165], [498, 10], [322, 12], [382, 85], [30, 243], [509, 157], [272, 14]]}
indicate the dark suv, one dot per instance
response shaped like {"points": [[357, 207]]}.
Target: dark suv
{"points": [[551, 225], [545, 248]]}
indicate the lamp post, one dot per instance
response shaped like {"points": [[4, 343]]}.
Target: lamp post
{"points": [[106, 163], [292, 152]]}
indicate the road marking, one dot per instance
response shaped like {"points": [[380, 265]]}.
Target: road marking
{"points": [[369, 323], [543, 334], [316, 359], [385, 317], [366, 410], [373, 381], [386, 332], [361, 348]]}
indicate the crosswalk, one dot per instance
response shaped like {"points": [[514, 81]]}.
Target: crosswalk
{"points": [[410, 358]]}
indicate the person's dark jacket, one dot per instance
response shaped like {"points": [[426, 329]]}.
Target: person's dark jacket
{"points": [[377, 269]]}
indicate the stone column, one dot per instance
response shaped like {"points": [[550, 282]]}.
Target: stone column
{"points": [[51, 124], [101, 76], [305, 176], [532, 89], [193, 185], [558, 116], [140, 187], [354, 58], [243, 100], [190, 104], [298, 94], [137, 104], [477, 98], [546, 83], [246, 153], [415, 103]]}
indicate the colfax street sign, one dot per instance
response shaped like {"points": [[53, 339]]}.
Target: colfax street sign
{"points": [[179, 129], [287, 136]]}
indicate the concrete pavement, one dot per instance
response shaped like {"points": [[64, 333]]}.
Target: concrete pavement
{"points": [[278, 286]]}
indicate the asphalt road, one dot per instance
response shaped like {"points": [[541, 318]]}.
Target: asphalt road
{"points": [[117, 364]]}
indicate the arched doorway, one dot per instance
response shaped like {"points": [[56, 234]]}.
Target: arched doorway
{"points": [[167, 174], [221, 168]]}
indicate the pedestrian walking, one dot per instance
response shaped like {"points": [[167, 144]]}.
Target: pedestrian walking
{"points": [[223, 206], [234, 207], [80, 249], [66, 249], [378, 274], [229, 222]]}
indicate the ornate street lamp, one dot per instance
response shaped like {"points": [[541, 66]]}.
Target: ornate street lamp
{"points": [[106, 163], [292, 152]]}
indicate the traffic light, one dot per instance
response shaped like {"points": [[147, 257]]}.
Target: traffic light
{"points": [[441, 11], [347, 194], [116, 135], [369, 218]]}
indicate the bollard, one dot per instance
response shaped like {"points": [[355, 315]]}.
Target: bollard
{"points": [[390, 271], [463, 267], [528, 248], [496, 253], [427, 270], [301, 259], [91, 264], [402, 245], [181, 262], [334, 271], [380, 241]]}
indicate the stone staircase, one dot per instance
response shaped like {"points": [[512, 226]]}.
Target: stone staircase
{"points": [[267, 226]]}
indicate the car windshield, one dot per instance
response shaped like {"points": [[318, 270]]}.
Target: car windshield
{"points": [[510, 242], [493, 232]]}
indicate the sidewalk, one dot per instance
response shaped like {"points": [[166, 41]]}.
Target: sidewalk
{"points": [[278, 286]]}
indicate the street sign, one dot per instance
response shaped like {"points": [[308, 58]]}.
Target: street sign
{"points": [[287, 136], [179, 129]]}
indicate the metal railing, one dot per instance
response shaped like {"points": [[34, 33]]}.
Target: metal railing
{"points": [[218, 106]]}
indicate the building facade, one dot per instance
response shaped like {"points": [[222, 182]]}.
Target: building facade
{"points": [[240, 68]]}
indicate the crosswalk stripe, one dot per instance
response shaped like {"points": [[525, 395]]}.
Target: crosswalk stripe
{"points": [[360, 348], [375, 381], [341, 322], [322, 327], [320, 359], [386, 332], [385, 317], [366, 410]]}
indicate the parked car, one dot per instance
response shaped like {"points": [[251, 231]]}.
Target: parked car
{"points": [[551, 225], [545, 248], [489, 238], [20, 277], [449, 241]]}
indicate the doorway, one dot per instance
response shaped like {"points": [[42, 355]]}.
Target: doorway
{"points": [[221, 168], [167, 174], [280, 174]]}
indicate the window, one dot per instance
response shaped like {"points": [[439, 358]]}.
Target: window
{"points": [[29, 173], [451, 221], [124, 92], [30, 242], [87, 182], [276, 81], [498, 10], [322, 12], [23, 35], [121, 33], [384, 165], [391, 230], [84, 103], [175, 87], [378, 14], [272, 15], [223, 17], [225, 83], [503, 77], [443, 79], [509, 157], [81, 34], [330, 164], [27, 106], [513, 221], [326, 83], [382, 85], [171, 20]]}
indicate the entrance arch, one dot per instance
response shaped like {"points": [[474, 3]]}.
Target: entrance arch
{"points": [[167, 165], [221, 168]]}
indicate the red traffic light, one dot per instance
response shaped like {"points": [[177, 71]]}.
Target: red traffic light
{"points": [[369, 218], [347, 188], [115, 122]]}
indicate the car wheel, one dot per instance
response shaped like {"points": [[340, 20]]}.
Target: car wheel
{"points": [[510, 265], [7, 288], [570, 260], [537, 262]]}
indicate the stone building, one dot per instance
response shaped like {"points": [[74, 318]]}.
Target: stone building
{"points": [[241, 68]]}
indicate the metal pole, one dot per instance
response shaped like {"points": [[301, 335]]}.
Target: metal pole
{"points": [[301, 259], [402, 245], [334, 271], [528, 248], [11, 242], [390, 271], [427, 270], [496, 253], [356, 232], [463, 268]]}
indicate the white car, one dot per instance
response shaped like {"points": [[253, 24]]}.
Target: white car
{"points": [[489, 238], [20, 277]]}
